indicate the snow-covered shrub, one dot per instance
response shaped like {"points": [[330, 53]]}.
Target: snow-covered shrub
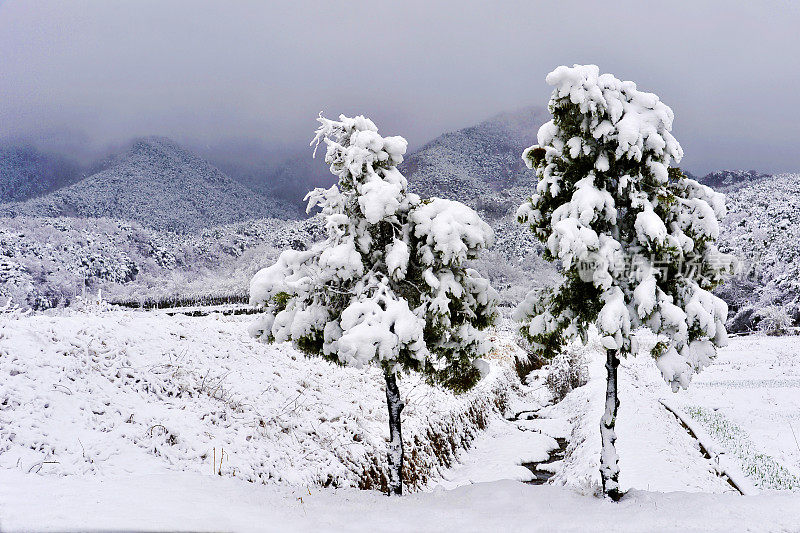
{"points": [[389, 285], [635, 238], [774, 320], [92, 303], [567, 371], [743, 320], [9, 310]]}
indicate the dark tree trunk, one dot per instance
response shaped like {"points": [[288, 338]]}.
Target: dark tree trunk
{"points": [[609, 469], [395, 456]]}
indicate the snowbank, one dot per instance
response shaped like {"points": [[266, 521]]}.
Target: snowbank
{"points": [[190, 502], [120, 393]]}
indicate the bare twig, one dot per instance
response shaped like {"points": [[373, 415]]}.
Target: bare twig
{"points": [[56, 385], [154, 426], [795, 437], [39, 464]]}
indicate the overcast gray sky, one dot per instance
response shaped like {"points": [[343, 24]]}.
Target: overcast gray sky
{"points": [[207, 72]]}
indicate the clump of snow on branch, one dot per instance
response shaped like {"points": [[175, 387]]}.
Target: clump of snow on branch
{"points": [[389, 284], [632, 234]]}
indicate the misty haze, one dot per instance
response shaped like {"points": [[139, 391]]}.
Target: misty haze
{"points": [[520, 266]]}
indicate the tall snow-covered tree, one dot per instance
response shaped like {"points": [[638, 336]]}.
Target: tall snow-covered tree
{"points": [[635, 238], [389, 285]]}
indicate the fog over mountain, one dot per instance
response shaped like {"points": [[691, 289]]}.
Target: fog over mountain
{"points": [[25, 172], [83, 75]]}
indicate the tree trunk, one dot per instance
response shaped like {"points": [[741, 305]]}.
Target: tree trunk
{"points": [[609, 469], [395, 455]]}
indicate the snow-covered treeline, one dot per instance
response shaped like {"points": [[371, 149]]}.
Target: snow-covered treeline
{"points": [[49, 262]]}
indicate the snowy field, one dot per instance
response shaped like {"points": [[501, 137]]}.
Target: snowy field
{"points": [[129, 392], [656, 453], [749, 402], [118, 420]]}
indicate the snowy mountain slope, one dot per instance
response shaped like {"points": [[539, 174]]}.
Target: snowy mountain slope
{"points": [[762, 229], [723, 180], [293, 178], [514, 264], [481, 165], [158, 184], [48, 262], [487, 154], [26, 172], [112, 393]]}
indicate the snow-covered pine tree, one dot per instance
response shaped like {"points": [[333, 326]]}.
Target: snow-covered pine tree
{"points": [[636, 239], [389, 285]]}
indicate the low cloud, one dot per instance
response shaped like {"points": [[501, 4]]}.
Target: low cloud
{"points": [[85, 74]]}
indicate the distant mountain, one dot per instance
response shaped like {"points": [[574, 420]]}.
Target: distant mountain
{"points": [[724, 179], [481, 165], [158, 184], [25, 172]]}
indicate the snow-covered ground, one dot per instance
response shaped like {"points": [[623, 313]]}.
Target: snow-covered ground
{"points": [[116, 393], [72, 456], [656, 453], [181, 501], [749, 402]]}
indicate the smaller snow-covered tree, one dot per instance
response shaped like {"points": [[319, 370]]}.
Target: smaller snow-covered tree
{"points": [[636, 239], [389, 285], [567, 371]]}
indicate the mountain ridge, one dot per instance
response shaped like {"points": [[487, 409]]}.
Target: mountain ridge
{"points": [[158, 184], [726, 179], [480, 165]]}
